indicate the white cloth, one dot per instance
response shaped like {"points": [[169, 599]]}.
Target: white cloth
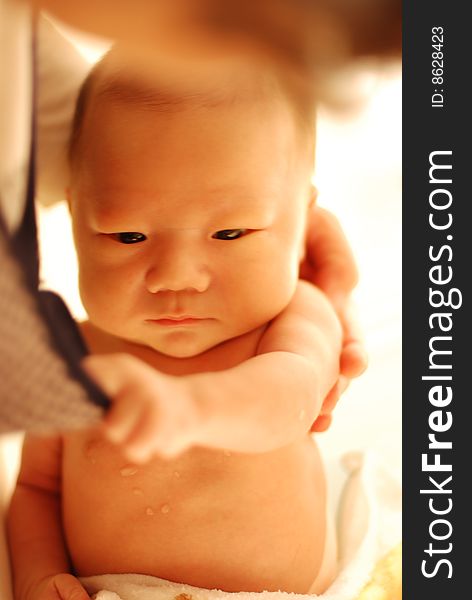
{"points": [[15, 108], [60, 72], [369, 524]]}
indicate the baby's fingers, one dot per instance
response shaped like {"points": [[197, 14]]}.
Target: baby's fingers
{"points": [[122, 418], [167, 427], [151, 413], [120, 376], [142, 441], [112, 372]]}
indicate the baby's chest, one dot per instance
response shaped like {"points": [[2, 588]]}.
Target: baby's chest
{"points": [[93, 469], [168, 510], [97, 479]]}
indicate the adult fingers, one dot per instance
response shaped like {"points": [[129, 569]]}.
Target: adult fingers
{"points": [[330, 265], [324, 419], [321, 424], [353, 360], [329, 262]]}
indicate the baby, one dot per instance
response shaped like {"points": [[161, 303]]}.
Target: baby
{"points": [[189, 214]]}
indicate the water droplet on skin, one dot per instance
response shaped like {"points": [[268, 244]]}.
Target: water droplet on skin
{"points": [[176, 474], [149, 511], [165, 508], [128, 471], [301, 415], [137, 492]]}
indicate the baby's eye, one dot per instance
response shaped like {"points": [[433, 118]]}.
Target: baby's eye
{"points": [[229, 234], [129, 237]]}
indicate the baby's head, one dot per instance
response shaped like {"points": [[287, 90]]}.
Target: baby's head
{"points": [[189, 209]]}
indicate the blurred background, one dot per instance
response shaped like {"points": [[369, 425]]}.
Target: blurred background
{"points": [[358, 174]]}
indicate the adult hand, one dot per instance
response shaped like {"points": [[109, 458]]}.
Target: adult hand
{"points": [[330, 265]]}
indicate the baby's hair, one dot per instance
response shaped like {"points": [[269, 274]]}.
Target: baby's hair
{"points": [[248, 85]]}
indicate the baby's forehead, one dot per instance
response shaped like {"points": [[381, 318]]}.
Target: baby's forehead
{"points": [[110, 193], [260, 92], [255, 117], [237, 85], [247, 87], [166, 103]]}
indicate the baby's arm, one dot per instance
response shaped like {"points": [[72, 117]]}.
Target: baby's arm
{"points": [[262, 404], [40, 565], [273, 398]]}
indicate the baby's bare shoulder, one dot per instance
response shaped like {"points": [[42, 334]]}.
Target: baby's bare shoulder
{"points": [[308, 300], [308, 322]]}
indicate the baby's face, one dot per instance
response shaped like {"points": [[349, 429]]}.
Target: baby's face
{"points": [[189, 227]]}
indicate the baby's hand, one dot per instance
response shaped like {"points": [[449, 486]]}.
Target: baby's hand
{"points": [[152, 413], [59, 587]]}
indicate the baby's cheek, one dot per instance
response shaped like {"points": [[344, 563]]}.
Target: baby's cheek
{"points": [[270, 291], [101, 292], [283, 283]]}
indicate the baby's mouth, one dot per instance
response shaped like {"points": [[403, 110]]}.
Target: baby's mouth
{"points": [[177, 320]]}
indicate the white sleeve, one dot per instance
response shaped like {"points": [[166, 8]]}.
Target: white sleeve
{"points": [[61, 70]]}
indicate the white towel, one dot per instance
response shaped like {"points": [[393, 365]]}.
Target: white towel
{"points": [[368, 524]]}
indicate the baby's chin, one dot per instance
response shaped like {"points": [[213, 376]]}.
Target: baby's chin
{"points": [[181, 351], [180, 345]]}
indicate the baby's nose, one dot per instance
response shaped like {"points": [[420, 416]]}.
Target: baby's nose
{"points": [[177, 271]]}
